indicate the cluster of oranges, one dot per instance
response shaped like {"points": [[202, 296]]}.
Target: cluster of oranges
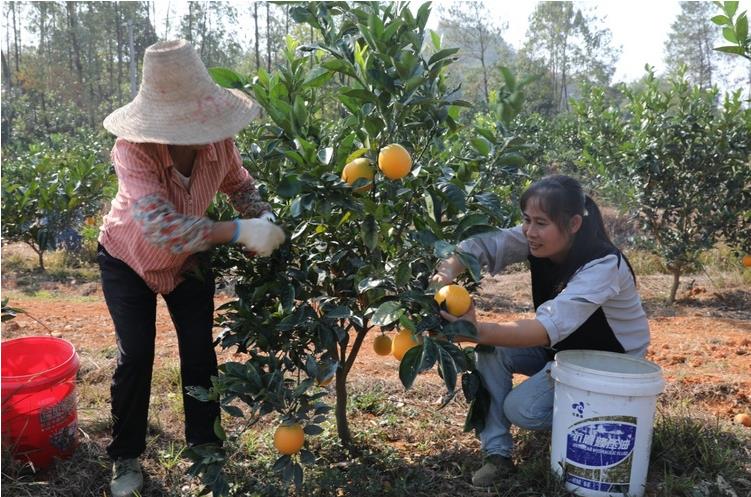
{"points": [[453, 298], [290, 438], [394, 161]]}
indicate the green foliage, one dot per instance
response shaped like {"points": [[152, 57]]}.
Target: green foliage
{"points": [[50, 189], [733, 30], [685, 158], [355, 261]]}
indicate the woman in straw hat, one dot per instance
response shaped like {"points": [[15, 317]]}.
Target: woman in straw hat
{"points": [[174, 152]]}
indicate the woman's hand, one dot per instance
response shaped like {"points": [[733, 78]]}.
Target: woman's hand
{"points": [[470, 316], [446, 272], [259, 236]]}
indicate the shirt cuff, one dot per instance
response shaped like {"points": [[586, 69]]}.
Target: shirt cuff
{"points": [[550, 328]]}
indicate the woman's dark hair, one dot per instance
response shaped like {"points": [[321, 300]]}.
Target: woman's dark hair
{"points": [[561, 197]]}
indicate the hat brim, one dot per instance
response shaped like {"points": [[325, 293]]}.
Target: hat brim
{"points": [[210, 119]]}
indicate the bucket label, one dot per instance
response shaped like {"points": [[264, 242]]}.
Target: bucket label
{"points": [[56, 414], [65, 439], [599, 453]]}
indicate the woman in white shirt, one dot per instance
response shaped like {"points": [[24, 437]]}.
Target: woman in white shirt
{"points": [[585, 297]]}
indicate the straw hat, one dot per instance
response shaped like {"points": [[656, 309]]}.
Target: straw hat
{"points": [[178, 103]]}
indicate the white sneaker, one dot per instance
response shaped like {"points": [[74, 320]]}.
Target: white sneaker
{"points": [[127, 478]]}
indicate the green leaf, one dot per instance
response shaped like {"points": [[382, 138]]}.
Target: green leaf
{"points": [[218, 430], [407, 323], [387, 313], [471, 263], [436, 39], [512, 159], [369, 283], [361, 95], [729, 34], [312, 430], [429, 355], [731, 49], [226, 78], [721, 20], [339, 65], [317, 77], [730, 8], [442, 54], [460, 328], [369, 232], [409, 365], [508, 78], [482, 145], [289, 187], [325, 155], [448, 368], [741, 27], [356, 154]]}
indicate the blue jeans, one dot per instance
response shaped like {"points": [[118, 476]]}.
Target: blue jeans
{"points": [[529, 405]]}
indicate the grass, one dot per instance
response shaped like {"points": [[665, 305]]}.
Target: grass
{"points": [[406, 448]]}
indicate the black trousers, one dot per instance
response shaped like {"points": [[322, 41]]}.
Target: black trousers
{"points": [[132, 305]]}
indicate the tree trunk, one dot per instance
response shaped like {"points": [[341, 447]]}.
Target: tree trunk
{"points": [[342, 423], [6, 71], [73, 27], [119, 38], [16, 37], [255, 22], [268, 38], [676, 282], [190, 22]]}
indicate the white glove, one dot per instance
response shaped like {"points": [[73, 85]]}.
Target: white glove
{"points": [[259, 236], [268, 216]]}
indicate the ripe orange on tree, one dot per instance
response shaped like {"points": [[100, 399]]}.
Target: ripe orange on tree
{"points": [[289, 439], [358, 168], [455, 298], [394, 161], [746, 260], [382, 345], [403, 341]]}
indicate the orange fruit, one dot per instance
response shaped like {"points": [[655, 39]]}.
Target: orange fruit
{"points": [[358, 168], [742, 419], [746, 260], [456, 298], [394, 161], [289, 439], [403, 341], [382, 345]]}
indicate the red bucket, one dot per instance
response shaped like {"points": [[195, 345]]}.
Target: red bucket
{"points": [[39, 419]]}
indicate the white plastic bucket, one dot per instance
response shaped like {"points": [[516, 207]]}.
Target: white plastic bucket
{"points": [[602, 421]]}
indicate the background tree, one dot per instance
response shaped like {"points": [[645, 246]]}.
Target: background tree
{"points": [[691, 41], [571, 48], [469, 26], [685, 159]]}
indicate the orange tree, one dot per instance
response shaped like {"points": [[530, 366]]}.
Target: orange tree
{"points": [[357, 259]]}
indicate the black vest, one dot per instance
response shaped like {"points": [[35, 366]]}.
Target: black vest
{"points": [[595, 333]]}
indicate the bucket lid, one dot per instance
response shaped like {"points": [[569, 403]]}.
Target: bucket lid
{"points": [[33, 363], [608, 372]]}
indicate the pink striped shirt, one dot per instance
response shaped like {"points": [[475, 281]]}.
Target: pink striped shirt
{"points": [[155, 223]]}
